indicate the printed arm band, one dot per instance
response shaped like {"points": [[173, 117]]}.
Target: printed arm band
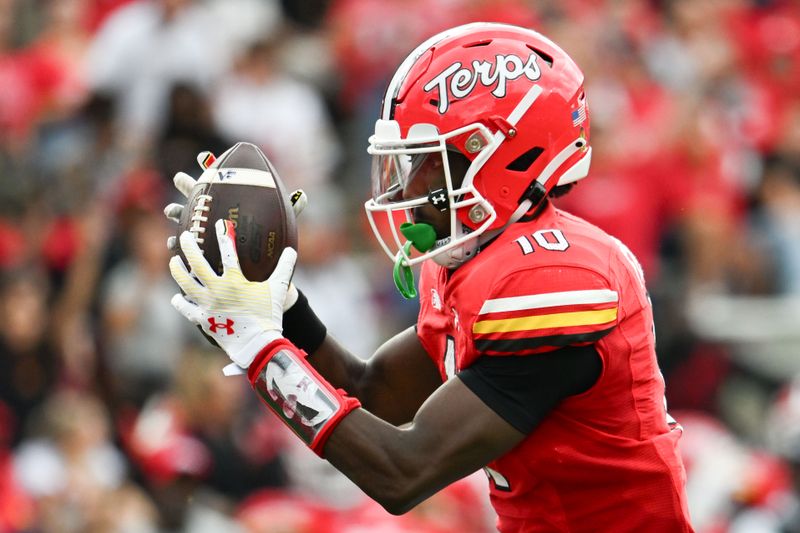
{"points": [[298, 394]]}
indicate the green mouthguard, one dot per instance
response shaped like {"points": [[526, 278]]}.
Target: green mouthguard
{"points": [[422, 237], [403, 275]]}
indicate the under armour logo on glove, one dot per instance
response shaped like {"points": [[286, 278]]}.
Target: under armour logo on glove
{"points": [[438, 199], [216, 326]]}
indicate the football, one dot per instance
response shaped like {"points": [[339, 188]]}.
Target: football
{"points": [[241, 185]]}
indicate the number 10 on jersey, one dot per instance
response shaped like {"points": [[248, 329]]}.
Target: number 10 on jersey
{"points": [[547, 239]]}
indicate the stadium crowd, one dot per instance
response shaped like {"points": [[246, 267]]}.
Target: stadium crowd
{"points": [[114, 413]]}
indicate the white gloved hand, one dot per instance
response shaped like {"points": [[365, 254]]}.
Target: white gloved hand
{"points": [[185, 184], [242, 316]]}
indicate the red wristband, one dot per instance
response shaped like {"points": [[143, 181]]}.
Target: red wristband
{"points": [[298, 394]]}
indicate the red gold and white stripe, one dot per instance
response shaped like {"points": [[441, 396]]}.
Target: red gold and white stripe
{"points": [[538, 322]]}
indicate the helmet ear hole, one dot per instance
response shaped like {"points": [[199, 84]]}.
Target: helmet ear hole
{"points": [[524, 161]]}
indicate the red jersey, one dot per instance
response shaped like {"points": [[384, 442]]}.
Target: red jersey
{"points": [[603, 460]]}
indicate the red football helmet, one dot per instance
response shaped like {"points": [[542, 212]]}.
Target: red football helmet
{"points": [[480, 121]]}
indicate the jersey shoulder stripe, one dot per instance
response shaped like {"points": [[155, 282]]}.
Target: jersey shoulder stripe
{"points": [[550, 299], [541, 322], [520, 346], [548, 321]]}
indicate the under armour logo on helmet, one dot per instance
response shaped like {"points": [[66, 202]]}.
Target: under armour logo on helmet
{"points": [[439, 200], [215, 326]]}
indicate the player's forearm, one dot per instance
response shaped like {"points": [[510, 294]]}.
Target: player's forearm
{"points": [[379, 392], [365, 380], [340, 367], [383, 460], [391, 384], [302, 326], [452, 434]]}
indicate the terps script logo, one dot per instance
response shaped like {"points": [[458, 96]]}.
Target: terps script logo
{"points": [[457, 81]]}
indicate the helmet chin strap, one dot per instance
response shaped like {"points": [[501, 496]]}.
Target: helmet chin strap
{"points": [[458, 255]]}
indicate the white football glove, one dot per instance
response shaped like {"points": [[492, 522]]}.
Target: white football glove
{"points": [[242, 316], [185, 184]]}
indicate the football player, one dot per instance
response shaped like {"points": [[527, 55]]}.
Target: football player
{"points": [[534, 353]]}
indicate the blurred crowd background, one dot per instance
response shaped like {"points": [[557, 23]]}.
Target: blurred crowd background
{"points": [[114, 414]]}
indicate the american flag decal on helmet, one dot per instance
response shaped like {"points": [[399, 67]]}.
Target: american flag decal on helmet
{"points": [[579, 115]]}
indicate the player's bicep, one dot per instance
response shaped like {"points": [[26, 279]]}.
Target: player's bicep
{"points": [[398, 378]]}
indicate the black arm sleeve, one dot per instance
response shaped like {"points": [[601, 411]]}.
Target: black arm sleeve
{"points": [[524, 389], [302, 326]]}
